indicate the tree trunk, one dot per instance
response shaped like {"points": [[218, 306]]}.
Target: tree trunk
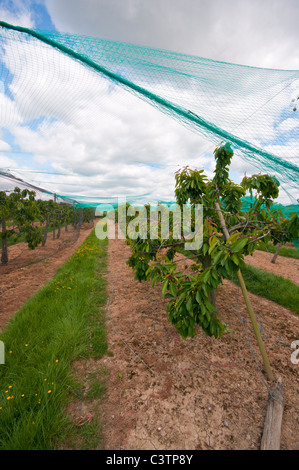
{"points": [[46, 230], [58, 233], [81, 218], [276, 253], [4, 255]]}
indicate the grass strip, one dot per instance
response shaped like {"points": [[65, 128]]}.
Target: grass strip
{"points": [[272, 287], [53, 328]]}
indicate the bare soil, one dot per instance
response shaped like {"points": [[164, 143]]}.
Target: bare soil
{"points": [[166, 393], [283, 266]]}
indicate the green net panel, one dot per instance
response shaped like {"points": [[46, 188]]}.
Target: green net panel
{"points": [[48, 78]]}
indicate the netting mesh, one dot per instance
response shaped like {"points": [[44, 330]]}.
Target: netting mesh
{"points": [[50, 78]]}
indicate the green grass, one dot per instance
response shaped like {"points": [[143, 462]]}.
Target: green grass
{"points": [[272, 287], [54, 328]]}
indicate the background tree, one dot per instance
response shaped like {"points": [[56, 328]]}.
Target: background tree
{"points": [[21, 210]]}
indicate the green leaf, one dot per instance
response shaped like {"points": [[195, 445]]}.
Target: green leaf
{"points": [[189, 305], [172, 289], [191, 331], [206, 292], [164, 287], [205, 248], [213, 243], [217, 257], [233, 238], [238, 245], [235, 259]]}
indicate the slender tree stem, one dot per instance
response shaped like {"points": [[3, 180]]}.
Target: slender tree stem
{"points": [[4, 256], [276, 253], [248, 303]]}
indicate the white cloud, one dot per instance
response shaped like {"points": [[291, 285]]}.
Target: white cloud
{"points": [[4, 146], [20, 15], [6, 162], [289, 124]]}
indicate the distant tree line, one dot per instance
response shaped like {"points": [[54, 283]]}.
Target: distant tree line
{"points": [[24, 216]]}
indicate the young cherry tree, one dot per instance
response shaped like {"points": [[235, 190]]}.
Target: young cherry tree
{"points": [[228, 235]]}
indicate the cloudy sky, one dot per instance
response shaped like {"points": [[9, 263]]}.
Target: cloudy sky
{"points": [[95, 139]]}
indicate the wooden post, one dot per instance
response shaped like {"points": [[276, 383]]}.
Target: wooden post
{"points": [[273, 421]]}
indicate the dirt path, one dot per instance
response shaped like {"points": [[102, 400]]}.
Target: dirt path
{"points": [[166, 393], [17, 285], [285, 267]]}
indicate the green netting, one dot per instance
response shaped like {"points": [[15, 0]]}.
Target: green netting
{"points": [[286, 210], [246, 106]]}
